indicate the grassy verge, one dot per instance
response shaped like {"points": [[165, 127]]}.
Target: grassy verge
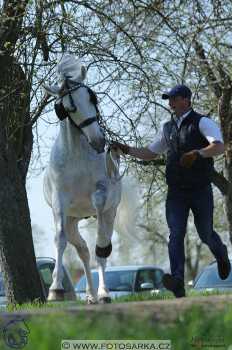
{"points": [[166, 295], [194, 329], [129, 298]]}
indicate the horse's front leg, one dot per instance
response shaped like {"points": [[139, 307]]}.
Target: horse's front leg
{"points": [[104, 233], [105, 230], [103, 245], [74, 237], [103, 292], [56, 290]]}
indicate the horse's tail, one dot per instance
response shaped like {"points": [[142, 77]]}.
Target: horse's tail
{"points": [[127, 213]]}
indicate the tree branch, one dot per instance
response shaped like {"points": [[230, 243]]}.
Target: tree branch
{"points": [[206, 68], [148, 229]]}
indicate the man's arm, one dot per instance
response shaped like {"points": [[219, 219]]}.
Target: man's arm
{"points": [[157, 147], [210, 130], [213, 149], [141, 153]]}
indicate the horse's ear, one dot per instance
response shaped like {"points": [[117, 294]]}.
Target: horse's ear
{"points": [[83, 72]]}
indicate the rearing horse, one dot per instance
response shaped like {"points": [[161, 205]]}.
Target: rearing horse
{"points": [[78, 182]]}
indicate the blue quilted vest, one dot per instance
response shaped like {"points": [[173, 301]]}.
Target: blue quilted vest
{"points": [[180, 141]]}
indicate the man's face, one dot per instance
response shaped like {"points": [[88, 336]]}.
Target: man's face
{"points": [[179, 104]]}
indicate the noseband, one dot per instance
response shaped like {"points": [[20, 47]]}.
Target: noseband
{"points": [[63, 113]]}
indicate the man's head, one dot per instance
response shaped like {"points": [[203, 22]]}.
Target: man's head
{"points": [[179, 99]]}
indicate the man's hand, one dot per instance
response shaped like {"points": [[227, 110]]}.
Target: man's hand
{"points": [[121, 146], [189, 158]]}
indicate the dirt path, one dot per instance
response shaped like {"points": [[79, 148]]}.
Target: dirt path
{"points": [[160, 310]]}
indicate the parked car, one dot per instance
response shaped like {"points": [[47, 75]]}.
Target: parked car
{"points": [[125, 280], [45, 268], [209, 280]]}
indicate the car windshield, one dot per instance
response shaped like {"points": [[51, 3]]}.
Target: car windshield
{"points": [[210, 279], [115, 281]]}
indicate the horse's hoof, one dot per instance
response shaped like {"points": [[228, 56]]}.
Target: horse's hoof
{"points": [[91, 300], [104, 300], [56, 295]]}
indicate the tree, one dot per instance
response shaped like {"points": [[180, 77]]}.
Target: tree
{"points": [[16, 247]]}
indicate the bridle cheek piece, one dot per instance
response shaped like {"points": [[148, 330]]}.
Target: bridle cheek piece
{"points": [[62, 113]]}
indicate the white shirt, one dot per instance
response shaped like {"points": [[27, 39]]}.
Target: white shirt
{"points": [[208, 128]]}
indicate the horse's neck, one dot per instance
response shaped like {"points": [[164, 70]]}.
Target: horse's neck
{"points": [[73, 140], [70, 136]]}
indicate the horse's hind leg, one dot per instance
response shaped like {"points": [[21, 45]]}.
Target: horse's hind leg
{"points": [[79, 243], [56, 290], [105, 231]]}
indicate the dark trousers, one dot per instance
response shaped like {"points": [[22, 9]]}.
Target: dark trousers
{"points": [[178, 204]]}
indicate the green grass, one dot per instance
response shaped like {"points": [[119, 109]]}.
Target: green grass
{"points": [[128, 298], [166, 295], [143, 297], [46, 332], [37, 306]]}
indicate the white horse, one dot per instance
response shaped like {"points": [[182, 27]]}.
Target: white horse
{"points": [[81, 179]]}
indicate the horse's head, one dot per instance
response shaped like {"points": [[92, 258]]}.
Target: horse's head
{"points": [[78, 100]]}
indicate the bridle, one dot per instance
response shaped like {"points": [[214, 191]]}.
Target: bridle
{"points": [[63, 113]]}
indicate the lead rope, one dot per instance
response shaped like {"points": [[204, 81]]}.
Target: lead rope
{"points": [[109, 157]]}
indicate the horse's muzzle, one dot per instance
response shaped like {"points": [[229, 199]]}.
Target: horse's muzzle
{"points": [[99, 145]]}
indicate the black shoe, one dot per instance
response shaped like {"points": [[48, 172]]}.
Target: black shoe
{"points": [[224, 266], [175, 285]]}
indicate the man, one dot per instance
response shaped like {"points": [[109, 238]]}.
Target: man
{"points": [[191, 141]]}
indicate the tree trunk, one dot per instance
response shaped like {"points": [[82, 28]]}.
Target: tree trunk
{"points": [[225, 114], [223, 91], [17, 256]]}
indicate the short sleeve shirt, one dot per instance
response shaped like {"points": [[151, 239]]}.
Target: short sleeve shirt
{"points": [[208, 128]]}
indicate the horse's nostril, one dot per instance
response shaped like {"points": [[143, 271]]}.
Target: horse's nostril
{"points": [[98, 146]]}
